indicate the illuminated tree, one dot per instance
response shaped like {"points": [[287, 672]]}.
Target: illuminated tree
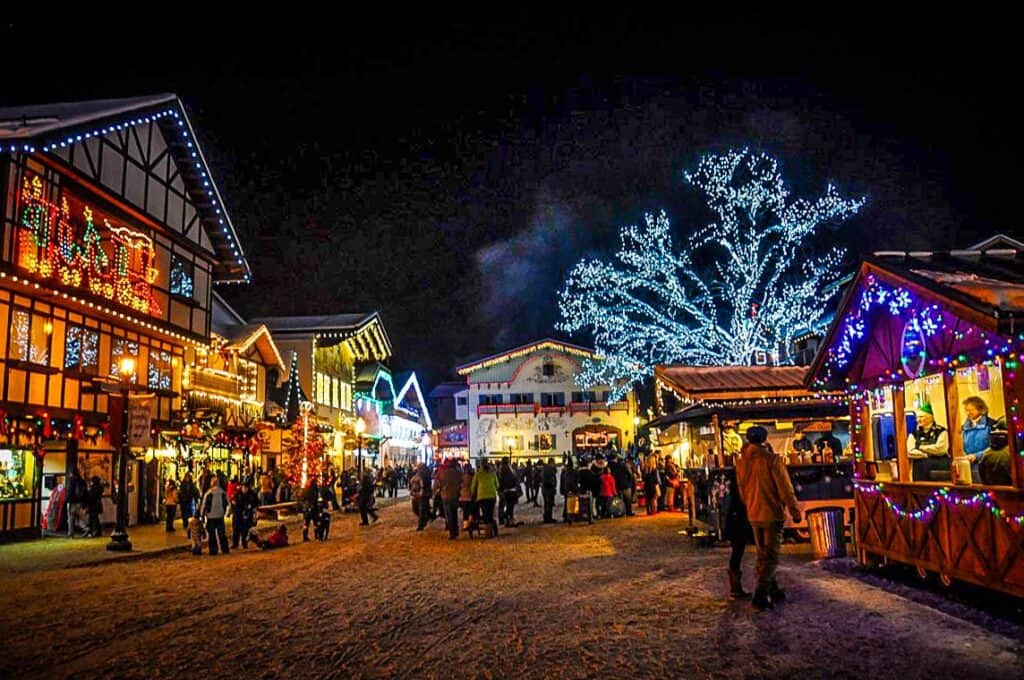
{"points": [[743, 284], [307, 459]]}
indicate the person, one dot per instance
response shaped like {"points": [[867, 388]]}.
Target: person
{"points": [[77, 495], [310, 509], [204, 480], [767, 491], [243, 512], [606, 493], [215, 507], [232, 487], [426, 494], [536, 480], [484, 490], [732, 442], [267, 488], [195, 534], [927, 446], [95, 506], [737, 532], [509, 485], [392, 482], [188, 494], [671, 483], [525, 473], [450, 482], [170, 504], [568, 485], [466, 494], [549, 482], [801, 444], [976, 430], [651, 484], [277, 539], [366, 500]]}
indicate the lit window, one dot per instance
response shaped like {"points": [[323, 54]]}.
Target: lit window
{"points": [[182, 276], [30, 337], [121, 348], [159, 370], [81, 350]]}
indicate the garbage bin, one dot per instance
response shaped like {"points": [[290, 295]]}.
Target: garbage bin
{"points": [[827, 532]]}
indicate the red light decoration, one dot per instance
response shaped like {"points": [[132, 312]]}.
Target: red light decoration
{"points": [[52, 246]]}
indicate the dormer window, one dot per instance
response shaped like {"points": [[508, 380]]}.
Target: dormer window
{"points": [[548, 369]]}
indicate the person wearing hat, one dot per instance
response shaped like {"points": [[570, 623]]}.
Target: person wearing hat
{"points": [[927, 446], [732, 443]]}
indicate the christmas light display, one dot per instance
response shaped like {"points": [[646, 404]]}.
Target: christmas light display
{"points": [[942, 498], [308, 459], [760, 291], [49, 248], [187, 134]]}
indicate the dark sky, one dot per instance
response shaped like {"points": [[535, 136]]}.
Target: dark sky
{"points": [[448, 175]]}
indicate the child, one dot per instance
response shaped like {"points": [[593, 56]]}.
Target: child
{"points": [[195, 532], [278, 539]]}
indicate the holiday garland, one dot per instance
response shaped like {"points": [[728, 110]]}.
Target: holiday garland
{"points": [[939, 498]]}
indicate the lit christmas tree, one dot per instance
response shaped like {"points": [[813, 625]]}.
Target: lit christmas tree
{"points": [[742, 285], [307, 460]]}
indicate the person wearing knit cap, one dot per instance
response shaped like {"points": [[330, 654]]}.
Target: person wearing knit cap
{"points": [[927, 446]]}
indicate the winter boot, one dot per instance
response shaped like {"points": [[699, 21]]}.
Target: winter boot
{"points": [[760, 601], [776, 594], [736, 591]]}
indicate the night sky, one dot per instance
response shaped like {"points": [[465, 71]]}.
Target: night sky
{"points": [[448, 175]]}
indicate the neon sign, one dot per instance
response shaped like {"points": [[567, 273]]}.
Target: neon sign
{"points": [[116, 263]]}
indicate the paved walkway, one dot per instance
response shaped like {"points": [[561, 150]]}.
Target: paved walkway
{"points": [[148, 540]]}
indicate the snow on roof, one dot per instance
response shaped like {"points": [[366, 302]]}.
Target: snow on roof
{"points": [[696, 379]]}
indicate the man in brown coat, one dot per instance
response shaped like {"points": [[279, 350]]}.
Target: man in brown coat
{"points": [[450, 481], [767, 492]]}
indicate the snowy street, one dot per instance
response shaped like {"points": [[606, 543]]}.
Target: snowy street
{"points": [[628, 597]]}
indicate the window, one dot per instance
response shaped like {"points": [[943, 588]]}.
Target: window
{"points": [[122, 347], [607, 395], [584, 397], [248, 372], [491, 399], [460, 401], [81, 350], [548, 368], [526, 398], [17, 474], [544, 441], [552, 399], [30, 337], [159, 370], [182, 277]]}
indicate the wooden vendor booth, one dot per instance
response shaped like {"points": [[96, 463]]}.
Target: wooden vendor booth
{"points": [[708, 408], [927, 346]]}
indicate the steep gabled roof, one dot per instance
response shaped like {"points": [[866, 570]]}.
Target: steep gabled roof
{"points": [[523, 350], [51, 129]]}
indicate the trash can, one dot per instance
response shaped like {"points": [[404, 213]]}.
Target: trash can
{"points": [[827, 532]]}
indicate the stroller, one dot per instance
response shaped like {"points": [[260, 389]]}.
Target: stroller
{"points": [[579, 507], [474, 527]]}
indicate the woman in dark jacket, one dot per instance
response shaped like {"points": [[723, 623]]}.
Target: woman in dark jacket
{"points": [[366, 509], [94, 505], [736, 530], [652, 484], [509, 485]]}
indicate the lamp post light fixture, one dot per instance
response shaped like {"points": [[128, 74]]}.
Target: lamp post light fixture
{"points": [[119, 538], [360, 429], [511, 441]]}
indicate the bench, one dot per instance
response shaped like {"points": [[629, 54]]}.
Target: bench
{"points": [[278, 510]]}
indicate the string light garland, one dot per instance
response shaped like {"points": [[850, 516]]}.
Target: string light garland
{"points": [[939, 498], [760, 291]]}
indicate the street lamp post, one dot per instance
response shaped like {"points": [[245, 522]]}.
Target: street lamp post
{"points": [[511, 442], [119, 538], [360, 429]]}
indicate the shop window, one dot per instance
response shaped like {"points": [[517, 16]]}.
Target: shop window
{"points": [[122, 347], [544, 441], [182, 277], [17, 474], [983, 433], [928, 437], [159, 372], [881, 424], [30, 337], [82, 350]]}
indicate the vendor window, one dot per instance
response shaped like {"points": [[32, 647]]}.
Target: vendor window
{"points": [[982, 439], [928, 437], [882, 450], [17, 474], [30, 337]]}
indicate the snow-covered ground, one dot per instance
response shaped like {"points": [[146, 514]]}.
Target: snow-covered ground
{"points": [[625, 598]]}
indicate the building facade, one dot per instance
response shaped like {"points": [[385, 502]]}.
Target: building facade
{"points": [[113, 235], [525, 403]]}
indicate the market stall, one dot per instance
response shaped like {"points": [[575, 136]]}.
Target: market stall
{"points": [[709, 407], [927, 346]]}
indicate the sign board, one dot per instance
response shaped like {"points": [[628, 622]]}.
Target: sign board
{"points": [[140, 420]]}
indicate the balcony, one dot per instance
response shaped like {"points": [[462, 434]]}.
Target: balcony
{"points": [[591, 407], [509, 409]]}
